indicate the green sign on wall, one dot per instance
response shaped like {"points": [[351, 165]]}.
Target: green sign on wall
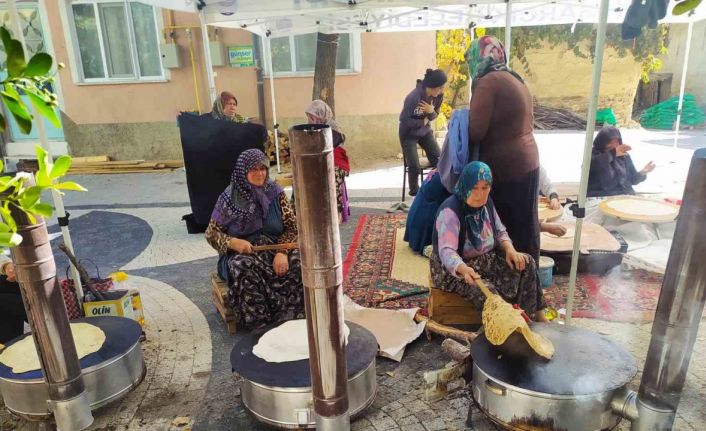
{"points": [[241, 56]]}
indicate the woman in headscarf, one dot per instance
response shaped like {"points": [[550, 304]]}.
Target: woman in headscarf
{"points": [[500, 128], [224, 108], [422, 214], [264, 286], [319, 112], [470, 242], [612, 170], [421, 106]]}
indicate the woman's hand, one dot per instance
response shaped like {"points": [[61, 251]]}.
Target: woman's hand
{"points": [[516, 260], [280, 264], [468, 274], [648, 168], [554, 204], [428, 108], [240, 246], [622, 150], [554, 229]]}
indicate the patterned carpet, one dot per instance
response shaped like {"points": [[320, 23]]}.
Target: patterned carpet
{"points": [[370, 263], [619, 296], [378, 265]]}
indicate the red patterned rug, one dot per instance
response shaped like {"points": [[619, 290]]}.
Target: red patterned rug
{"points": [[368, 265], [620, 295]]}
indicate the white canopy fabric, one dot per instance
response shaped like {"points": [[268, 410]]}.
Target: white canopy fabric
{"points": [[285, 17]]}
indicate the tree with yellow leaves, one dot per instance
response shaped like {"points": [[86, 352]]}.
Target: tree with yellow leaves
{"points": [[451, 46]]}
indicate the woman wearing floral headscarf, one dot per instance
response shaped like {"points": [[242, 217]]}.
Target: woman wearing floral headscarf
{"points": [[500, 128], [264, 286], [470, 242], [319, 112], [224, 108]]}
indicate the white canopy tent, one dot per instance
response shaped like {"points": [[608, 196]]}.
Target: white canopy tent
{"points": [[274, 18]]}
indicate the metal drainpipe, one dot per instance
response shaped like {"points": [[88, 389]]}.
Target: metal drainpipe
{"points": [[679, 312], [46, 313], [320, 246], [259, 77]]}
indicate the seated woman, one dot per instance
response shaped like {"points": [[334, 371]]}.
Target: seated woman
{"points": [[224, 108], [12, 309], [422, 213], [263, 286], [319, 112], [612, 171], [470, 242]]}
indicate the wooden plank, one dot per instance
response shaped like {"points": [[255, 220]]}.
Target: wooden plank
{"points": [[90, 159], [116, 171]]}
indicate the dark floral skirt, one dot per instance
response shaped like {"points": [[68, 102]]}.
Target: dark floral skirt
{"points": [[257, 295], [342, 203], [515, 287]]}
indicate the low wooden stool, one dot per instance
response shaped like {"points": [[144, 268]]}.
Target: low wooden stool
{"points": [[451, 309], [219, 289]]}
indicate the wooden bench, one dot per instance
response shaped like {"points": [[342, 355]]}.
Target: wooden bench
{"points": [[219, 289], [451, 309]]}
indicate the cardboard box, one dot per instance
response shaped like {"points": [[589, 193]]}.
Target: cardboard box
{"points": [[119, 303]]}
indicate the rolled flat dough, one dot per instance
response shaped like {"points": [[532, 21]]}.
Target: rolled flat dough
{"points": [[642, 207], [287, 342], [570, 231], [22, 356]]}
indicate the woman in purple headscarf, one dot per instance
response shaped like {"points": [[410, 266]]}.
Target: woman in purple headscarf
{"points": [[264, 286]]}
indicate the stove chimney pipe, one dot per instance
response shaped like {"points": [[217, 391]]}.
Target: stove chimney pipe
{"points": [[679, 311], [320, 246], [46, 313]]}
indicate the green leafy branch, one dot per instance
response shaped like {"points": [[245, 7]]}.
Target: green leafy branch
{"points": [[32, 78], [16, 194]]}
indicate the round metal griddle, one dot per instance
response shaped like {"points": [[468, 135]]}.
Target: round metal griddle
{"points": [[521, 391], [584, 363], [279, 394], [108, 374]]}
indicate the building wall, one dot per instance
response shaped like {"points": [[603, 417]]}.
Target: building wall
{"points": [[138, 120], [673, 60]]}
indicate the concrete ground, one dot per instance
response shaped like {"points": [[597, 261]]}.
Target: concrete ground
{"points": [[132, 222]]}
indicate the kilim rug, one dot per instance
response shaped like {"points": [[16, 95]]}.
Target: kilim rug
{"points": [[380, 271], [621, 295]]}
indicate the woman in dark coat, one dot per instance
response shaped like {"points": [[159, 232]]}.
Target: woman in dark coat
{"points": [[612, 170], [422, 213], [501, 128]]}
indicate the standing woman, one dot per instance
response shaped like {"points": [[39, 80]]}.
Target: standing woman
{"points": [[501, 127], [421, 106], [225, 107], [319, 112]]}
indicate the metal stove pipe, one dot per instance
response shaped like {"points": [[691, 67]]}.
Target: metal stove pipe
{"points": [[320, 246], [46, 313], [679, 311]]}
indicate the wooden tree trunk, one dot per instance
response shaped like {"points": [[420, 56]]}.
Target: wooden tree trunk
{"points": [[325, 70]]}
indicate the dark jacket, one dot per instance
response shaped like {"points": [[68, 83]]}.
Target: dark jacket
{"points": [[412, 119], [611, 175]]}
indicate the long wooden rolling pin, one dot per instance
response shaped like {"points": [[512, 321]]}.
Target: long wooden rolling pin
{"points": [[284, 246]]}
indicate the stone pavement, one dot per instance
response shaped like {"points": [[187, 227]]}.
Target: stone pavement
{"points": [[187, 352]]}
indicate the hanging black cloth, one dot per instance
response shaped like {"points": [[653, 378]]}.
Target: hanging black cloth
{"points": [[641, 13], [211, 147]]}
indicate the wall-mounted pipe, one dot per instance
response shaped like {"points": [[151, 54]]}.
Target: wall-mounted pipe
{"points": [[679, 312], [320, 245]]}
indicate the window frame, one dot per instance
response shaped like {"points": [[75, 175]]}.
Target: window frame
{"points": [[355, 57], [74, 51]]}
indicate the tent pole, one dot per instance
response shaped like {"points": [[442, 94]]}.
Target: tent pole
{"points": [[580, 209], [275, 126], [508, 30], [683, 80], [207, 58], [44, 141]]}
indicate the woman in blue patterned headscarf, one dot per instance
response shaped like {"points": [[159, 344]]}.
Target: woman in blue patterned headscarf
{"points": [[263, 286], [470, 242]]}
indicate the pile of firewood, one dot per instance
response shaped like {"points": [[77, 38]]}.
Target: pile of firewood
{"points": [[283, 147], [548, 118], [103, 165]]}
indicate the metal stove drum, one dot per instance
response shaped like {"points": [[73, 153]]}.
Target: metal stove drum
{"points": [[572, 391], [279, 394], [108, 374]]}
